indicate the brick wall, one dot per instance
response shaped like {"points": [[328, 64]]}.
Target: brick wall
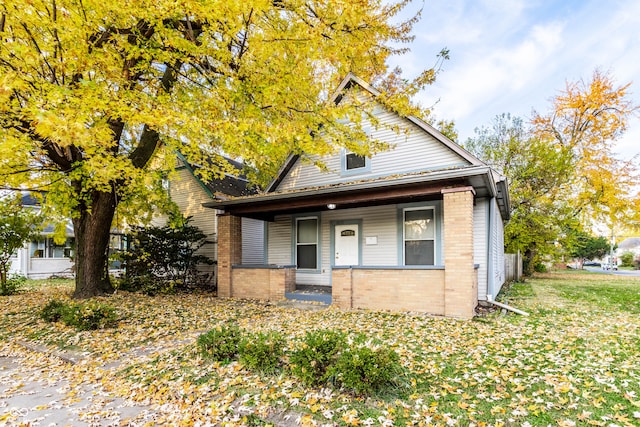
{"points": [[392, 289], [461, 288], [229, 251], [262, 283]]}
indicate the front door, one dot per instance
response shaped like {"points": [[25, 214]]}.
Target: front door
{"points": [[346, 245]]}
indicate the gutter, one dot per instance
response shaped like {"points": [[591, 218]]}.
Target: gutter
{"points": [[377, 183], [505, 306]]}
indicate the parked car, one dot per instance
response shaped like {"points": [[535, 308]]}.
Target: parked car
{"points": [[591, 264]]}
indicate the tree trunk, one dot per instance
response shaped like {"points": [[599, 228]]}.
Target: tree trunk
{"points": [[92, 230], [528, 263]]}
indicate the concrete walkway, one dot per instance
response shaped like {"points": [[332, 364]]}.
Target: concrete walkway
{"points": [[30, 396]]}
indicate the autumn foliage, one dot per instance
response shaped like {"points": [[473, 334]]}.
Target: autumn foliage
{"points": [[586, 120], [96, 97]]}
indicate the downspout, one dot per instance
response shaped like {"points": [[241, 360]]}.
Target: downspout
{"points": [[505, 306]]}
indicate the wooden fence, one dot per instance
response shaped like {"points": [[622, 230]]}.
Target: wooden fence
{"points": [[513, 267]]}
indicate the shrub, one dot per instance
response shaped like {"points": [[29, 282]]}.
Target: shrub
{"points": [[53, 311], [318, 351], [626, 259], [163, 260], [89, 315], [84, 316], [12, 285], [366, 367], [540, 268], [221, 343], [263, 351]]}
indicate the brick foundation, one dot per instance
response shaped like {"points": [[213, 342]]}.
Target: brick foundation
{"points": [[268, 282], [389, 289]]}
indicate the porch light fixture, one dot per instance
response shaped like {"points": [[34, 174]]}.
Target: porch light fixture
{"points": [[331, 206]]}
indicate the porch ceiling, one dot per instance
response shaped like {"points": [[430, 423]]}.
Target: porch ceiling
{"points": [[390, 190]]}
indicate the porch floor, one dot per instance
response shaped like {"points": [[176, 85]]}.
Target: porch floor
{"points": [[321, 294]]}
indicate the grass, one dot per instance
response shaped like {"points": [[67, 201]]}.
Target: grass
{"points": [[574, 361]]}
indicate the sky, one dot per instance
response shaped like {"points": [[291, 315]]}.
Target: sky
{"points": [[514, 56]]}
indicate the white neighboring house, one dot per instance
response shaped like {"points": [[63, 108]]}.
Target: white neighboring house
{"points": [[631, 244], [43, 258]]}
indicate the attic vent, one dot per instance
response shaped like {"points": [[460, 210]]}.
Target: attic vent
{"points": [[347, 233]]}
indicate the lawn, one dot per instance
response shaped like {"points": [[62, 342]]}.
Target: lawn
{"points": [[574, 361]]}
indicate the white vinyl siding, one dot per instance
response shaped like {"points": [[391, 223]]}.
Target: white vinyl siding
{"points": [[378, 222], [252, 241], [409, 152], [188, 195], [497, 245], [480, 243], [279, 241]]}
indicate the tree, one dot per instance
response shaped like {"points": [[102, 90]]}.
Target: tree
{"points": [[586, 120], [17, 225], [96, 96], [539, 174], [584, 246]]}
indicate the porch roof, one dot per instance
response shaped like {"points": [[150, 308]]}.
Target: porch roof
{"points": [[400, 188]]}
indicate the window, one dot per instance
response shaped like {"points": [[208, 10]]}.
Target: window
{"points": [[419, 236], [307, 243], [47, 248], [355, 161], [354, 164]]}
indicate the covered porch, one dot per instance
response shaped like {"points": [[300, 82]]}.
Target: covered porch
{"points": [[449, 288]]}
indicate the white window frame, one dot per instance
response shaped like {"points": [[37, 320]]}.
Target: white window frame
{"points": [[47, 245], [317, 242], [434, 239]]}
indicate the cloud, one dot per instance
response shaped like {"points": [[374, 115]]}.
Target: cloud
{"points": [[514, 56], [490, 77]]}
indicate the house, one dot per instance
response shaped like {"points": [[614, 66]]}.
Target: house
{"points": [[188, 190], [630, 244], [43, 257], [418, 227]]}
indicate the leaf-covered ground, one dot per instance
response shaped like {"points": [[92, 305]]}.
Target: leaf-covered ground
{"points": [[575, 361]]}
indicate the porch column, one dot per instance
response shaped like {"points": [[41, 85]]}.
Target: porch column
{"points": [[229, 251], [460, 293]]}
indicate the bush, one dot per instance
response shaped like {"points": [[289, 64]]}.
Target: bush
{"points": [[12, 285], [53, 311], [221, 343], [540, 268], [626, 259], [318, 351], [263, 351], [366, 367], [84, 316], [163, 260]]}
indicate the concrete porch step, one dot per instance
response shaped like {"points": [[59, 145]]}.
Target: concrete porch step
{"points": [[321, 294]]}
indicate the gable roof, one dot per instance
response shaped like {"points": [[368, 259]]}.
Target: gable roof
{"points": [[230, 185], [630, 243], [396, 188], [349, 81]]}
